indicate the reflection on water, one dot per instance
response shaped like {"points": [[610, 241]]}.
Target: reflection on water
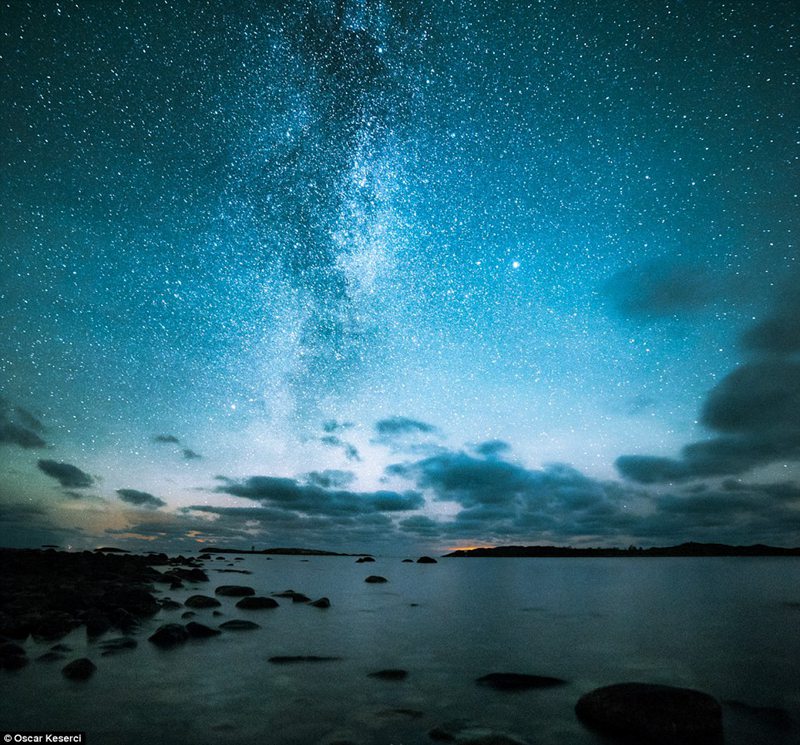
{"points": [[725, 626]]}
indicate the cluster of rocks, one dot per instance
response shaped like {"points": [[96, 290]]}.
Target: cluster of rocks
{"points": [[48, 594]]}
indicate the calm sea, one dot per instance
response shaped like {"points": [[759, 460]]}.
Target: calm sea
{"points": [[730, 627]]}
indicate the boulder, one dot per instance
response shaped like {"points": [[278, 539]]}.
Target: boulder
{"points": [[254, 602], [656, 714], [81, 669], [193, 574], [322, 603], [364, 560], [518, 681], [201, 631], [12, 656], [169, 604], [169, 635], [202, 601], [135, 600], [375, 579], [295, 597], [188, 614], [234, 591], [426, 560], [54, 625], [237, 624]]}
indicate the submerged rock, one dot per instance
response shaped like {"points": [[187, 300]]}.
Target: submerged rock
{"points": [[256, 603], [239, 625], [292, 659], [81, 669], [656, 714], [234, 591], [295, 597], [518, 681], [169, 635], [364, 560], [390, 674], [202, 601], [322, 603], [374, 579]]}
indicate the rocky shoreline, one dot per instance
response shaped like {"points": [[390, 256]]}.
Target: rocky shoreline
{"points": [[47, 594]]}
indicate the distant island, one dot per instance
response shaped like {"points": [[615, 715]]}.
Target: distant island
{"points": [[684, 549], [277, 551]]}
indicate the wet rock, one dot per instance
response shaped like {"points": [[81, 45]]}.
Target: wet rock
{"points": [[217, 613], [322, 603], [295, 597], [51, 626], [96, 623], [202, 601], [234, 591], [426, 560], [117, 645], [294, 659], [390, 674], [656, 714], [518, 681], [81, 669], [188, 614], [255, 602], [408, 561], [135, 600], [169, 635], [169, 604], [410, 713], [237, 624], [12, 656], [375, 579], [201, 631], [193, 574], [233, 571], [364, 560]]}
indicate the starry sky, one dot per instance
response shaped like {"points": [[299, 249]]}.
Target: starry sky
{"points": [[390, 275]]}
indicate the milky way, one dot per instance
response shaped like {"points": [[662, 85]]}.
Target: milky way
{"points": [[396, 273]]}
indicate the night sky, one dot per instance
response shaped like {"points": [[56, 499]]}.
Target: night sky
{"points": [[395, 275]]}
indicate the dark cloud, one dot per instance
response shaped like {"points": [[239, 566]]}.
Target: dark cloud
{"points": [[19, 427], [397, 426], [311, 498], [492, 448], [190, 454], [753, 413], [140, 498], [331, 426], [662, 287], [756, 411], [166, 439], [778, 333], [350, 451], [505, 502], [66, 474], [330, 478]]}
